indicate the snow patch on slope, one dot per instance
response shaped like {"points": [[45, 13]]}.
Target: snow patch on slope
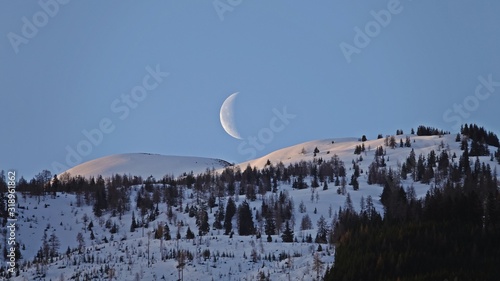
{"points": [[145, 165]]}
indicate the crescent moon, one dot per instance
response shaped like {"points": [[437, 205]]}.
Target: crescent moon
{"points": [[227, 116]]}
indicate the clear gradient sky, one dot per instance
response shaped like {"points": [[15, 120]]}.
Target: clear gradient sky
{"points": [[343, 68]]}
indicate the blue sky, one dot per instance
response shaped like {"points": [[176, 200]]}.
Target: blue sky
{"points": [[63, 65]]}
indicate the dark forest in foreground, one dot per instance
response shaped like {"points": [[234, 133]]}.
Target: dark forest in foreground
{"points": [[451, 234]]}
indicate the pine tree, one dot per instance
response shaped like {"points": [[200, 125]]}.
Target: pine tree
{"points": [[219, 216], [230, 211], [133, 225], [305, 223], [354, 182], [408, 142], [202, 222], [321, 236], [270, 226], [464, 145], [287, 235], [166, 232], [189, 233], [245, 220]]}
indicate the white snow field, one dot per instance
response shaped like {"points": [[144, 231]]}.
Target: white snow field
{"points": [[145, 165]]}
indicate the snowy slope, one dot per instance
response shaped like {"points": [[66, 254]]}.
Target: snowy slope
{"points": [[126, 254], [145, 165], [292, 154]]}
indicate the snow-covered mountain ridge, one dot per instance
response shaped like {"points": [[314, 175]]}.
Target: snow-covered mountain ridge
{"points": [[130, 255], [145, 165]]}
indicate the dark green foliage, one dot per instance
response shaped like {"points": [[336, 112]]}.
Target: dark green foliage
{"points": [[219, 216], [450, 234], [479, 134], [245, 219], [166, 232], [133, 225], [202, 222], [189, 233], [407, 142], [478, 149], [323, 229], [314, 182], [354, 182], [269, 238], [429, 131], [270, 226], [299, 183], [359, 148], [287, 235], [230, 211]]}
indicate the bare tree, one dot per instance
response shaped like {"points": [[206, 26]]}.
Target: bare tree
{"points": [[54, 245], [317, 264], [181, 262], [81, 241]]}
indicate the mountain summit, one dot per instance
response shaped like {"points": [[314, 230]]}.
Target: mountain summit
{"points": [[145, 165]]}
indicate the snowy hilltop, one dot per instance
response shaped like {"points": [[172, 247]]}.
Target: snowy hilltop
{"points": [[278, 217]]}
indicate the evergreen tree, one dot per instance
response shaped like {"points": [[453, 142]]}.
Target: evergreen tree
{"points": [[321, 236], [245, 220], [270, 226], [287, 235], [306, 223], [407, 142], [219, 216], [230, 211], [189, 233], [202, 222], [166, 232], [133, 225], [354, 183], [464, 144]]}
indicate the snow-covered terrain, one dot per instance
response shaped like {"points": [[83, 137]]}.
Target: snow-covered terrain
{"points": [[126, 253], [145, 165]]}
